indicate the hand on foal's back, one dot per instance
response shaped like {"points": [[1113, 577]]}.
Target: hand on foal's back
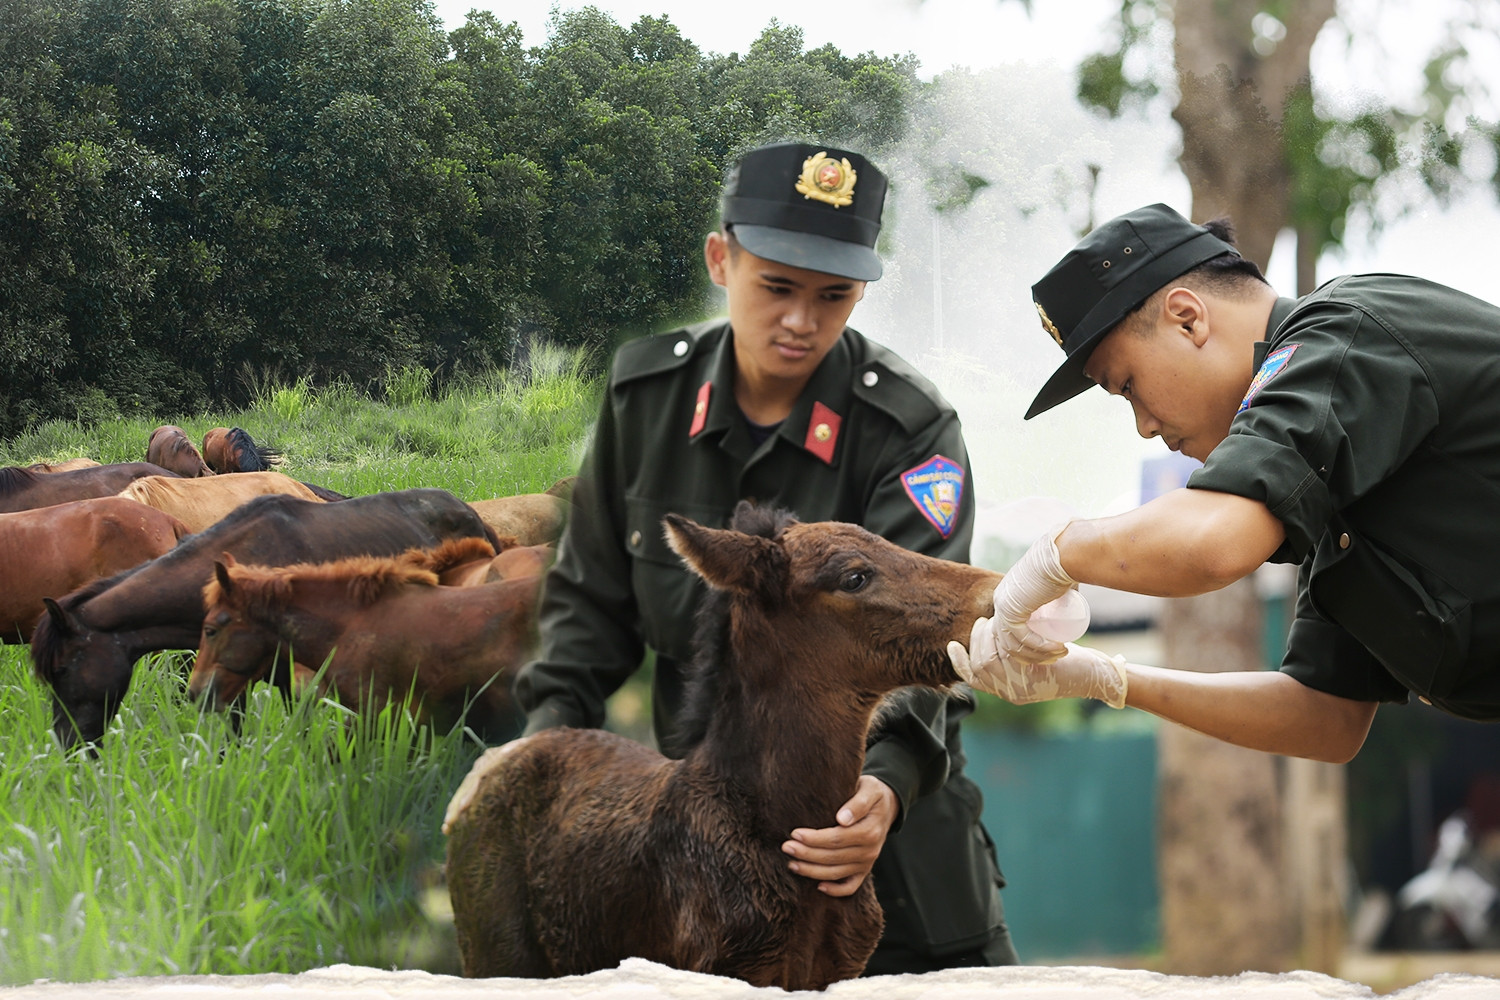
{"points": [[840, 857]]}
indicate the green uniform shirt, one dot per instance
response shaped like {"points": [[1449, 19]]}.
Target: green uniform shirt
{"points": [[1372, 431], [671, 437]]}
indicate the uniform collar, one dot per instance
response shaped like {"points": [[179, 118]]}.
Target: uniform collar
{"points": [[830, 385], [1280, 310]]}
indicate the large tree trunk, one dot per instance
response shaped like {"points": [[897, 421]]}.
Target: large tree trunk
{"points": [[1229, 106], [1236, 849]]}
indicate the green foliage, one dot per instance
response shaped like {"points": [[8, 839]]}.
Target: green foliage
{"points": [[196, 189]]}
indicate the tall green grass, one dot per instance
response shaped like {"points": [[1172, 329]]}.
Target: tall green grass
{"points": [[312, 836]]}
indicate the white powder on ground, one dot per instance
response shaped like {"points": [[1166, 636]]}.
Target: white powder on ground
{"points": [[637, 979]]}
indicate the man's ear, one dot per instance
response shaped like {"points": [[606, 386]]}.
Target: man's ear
{"points": [[716, 257], [1183, 310]]}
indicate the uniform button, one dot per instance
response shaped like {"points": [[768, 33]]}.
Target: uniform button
{"points": [[635, 539], [870, 378], [680, 348], [1423, 699], [1344, 540]]}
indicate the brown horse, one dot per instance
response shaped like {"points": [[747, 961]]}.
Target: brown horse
{"points": [[86, 647], [529, 518], [67, 465], [511, 562], [23, 489], [64, 546], [384, 628], [231, 449], [573, 849], [171, 448], [199, 503]]}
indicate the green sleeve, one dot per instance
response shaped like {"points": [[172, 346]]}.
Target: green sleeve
{"points": [[908, 748], [589, 642]]}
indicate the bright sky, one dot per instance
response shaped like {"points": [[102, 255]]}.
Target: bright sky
{"points": [[1085, 453]]}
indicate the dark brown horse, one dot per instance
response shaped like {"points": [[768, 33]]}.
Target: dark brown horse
{"points": [[573, 849], [231, 449], [171, 448], [86, 647], [23, 489], [57, 549], [385, 629]]}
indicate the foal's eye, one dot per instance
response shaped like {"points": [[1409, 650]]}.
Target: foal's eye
{"points": [[209, 631], [854, 580]]}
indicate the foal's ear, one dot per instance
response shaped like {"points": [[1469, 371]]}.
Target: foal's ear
{"points": [[726, 559], [221, 573]]}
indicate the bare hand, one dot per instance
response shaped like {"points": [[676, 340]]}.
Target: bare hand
{"points": [[840, 857]]}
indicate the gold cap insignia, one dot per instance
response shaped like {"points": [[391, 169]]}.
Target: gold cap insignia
{"points": [[1047, 324], [828, 180]]}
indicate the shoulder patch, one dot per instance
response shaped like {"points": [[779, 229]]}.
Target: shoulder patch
{"points": [[936, 487], [1269, 369]]}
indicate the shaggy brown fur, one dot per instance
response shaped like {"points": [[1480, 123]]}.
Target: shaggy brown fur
{"points": [[573, 849]]}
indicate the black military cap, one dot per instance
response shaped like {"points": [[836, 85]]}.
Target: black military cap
{"points": [[807, 206], [1110, 272]]}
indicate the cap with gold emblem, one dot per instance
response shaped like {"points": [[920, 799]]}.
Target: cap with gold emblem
{"points": [[1100, 281], [807, 206]]}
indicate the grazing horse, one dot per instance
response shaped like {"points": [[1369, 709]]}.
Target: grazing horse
{"points": [[231, 449], [384, 627], [86, 647], [529, 518], [572, 849], [66, 545], [23, 489], [67, 465], [199, 503], [171, 448]]}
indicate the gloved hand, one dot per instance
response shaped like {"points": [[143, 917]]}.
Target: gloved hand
{"points": [[1080, 673], [1036, 578]]}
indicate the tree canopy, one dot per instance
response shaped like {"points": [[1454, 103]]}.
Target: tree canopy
{"points": [[193, 190]]}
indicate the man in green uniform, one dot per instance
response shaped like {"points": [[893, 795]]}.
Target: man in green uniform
{"points": [[1355, 431], [784, 404]]}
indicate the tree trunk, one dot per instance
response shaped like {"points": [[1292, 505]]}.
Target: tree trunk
{"points": [[1235, 848]]}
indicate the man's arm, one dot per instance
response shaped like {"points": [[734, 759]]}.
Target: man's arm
{"points": [[1186, 542]]}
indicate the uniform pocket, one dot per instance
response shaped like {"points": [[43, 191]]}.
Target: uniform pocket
{"points": [[667, 592], [1417, 628]]}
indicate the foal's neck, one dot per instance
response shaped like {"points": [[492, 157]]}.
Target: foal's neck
{"points": [[786, 740]]}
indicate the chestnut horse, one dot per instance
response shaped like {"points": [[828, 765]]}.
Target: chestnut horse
{"points": [[171, 448], [529, 518], [199, 503], [23, 489], [384, 628], [231, 449], [64, 546], [572, 849], [67, 465], [86, 647]]}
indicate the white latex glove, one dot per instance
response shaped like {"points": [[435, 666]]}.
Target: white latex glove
{"points": [[1080, 673], [1036, 578]]}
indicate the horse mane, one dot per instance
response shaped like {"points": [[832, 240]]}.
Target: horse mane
{"points": [[14, 478], [702, 676], [148, 490], [267, 589], [251, 457]]}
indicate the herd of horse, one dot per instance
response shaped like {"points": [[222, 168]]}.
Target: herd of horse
{"points": [[569, 850], [124, 557]]}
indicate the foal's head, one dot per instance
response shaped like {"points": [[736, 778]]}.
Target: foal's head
{"points": [[832, 603]]}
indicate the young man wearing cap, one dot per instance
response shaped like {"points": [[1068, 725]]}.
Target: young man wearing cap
{"points": [[785, 404], [1355, 431]]}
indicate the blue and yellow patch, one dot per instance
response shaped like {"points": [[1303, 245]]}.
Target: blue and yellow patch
{"points": [[1269, 369], [937, 488]]}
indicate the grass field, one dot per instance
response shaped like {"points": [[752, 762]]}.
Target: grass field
{"points": [[310, 837]]}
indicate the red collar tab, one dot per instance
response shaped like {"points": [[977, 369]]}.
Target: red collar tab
{"points": [[700, 409], [822, 432]]}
